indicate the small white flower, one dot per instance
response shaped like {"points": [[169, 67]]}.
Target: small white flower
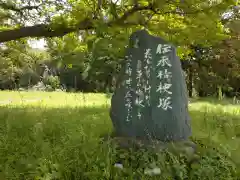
{"points": [[118, 165], [154, 171]]}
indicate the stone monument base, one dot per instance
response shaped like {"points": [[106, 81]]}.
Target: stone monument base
{"points": [[185, 147]]}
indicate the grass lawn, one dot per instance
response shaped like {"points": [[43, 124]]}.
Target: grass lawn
{"points": [[57, 135]]}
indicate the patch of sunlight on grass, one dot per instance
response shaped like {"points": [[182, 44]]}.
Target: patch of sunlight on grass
{"points": [[206, 106], [52, 99]]}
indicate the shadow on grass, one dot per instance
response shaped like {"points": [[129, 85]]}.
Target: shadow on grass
{"points": [[88, 120], [217, 130], [65, 143], [94, 123], [54, 143]]}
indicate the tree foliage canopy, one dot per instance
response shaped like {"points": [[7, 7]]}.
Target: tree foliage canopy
{"points": [[180, 21], [86, 40]]}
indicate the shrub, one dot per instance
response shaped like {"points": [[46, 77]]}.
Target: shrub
{"points": [[52, 82]]}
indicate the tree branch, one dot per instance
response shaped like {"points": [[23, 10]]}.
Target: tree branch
{"points": [[130, 12], [14, 8], [43, 30]]}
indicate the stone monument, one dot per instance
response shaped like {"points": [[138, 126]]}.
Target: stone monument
{"points": [[151, 100]]}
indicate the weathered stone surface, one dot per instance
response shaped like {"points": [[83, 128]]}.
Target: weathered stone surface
{"points": [[151, 100]]}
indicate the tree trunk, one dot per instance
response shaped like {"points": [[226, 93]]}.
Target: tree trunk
{"points": [[190, 81]]}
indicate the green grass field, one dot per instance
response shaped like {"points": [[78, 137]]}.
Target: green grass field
{"points": [[58, 135]]}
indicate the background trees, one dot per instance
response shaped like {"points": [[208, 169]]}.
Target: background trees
{"points": [[85, 41]]}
